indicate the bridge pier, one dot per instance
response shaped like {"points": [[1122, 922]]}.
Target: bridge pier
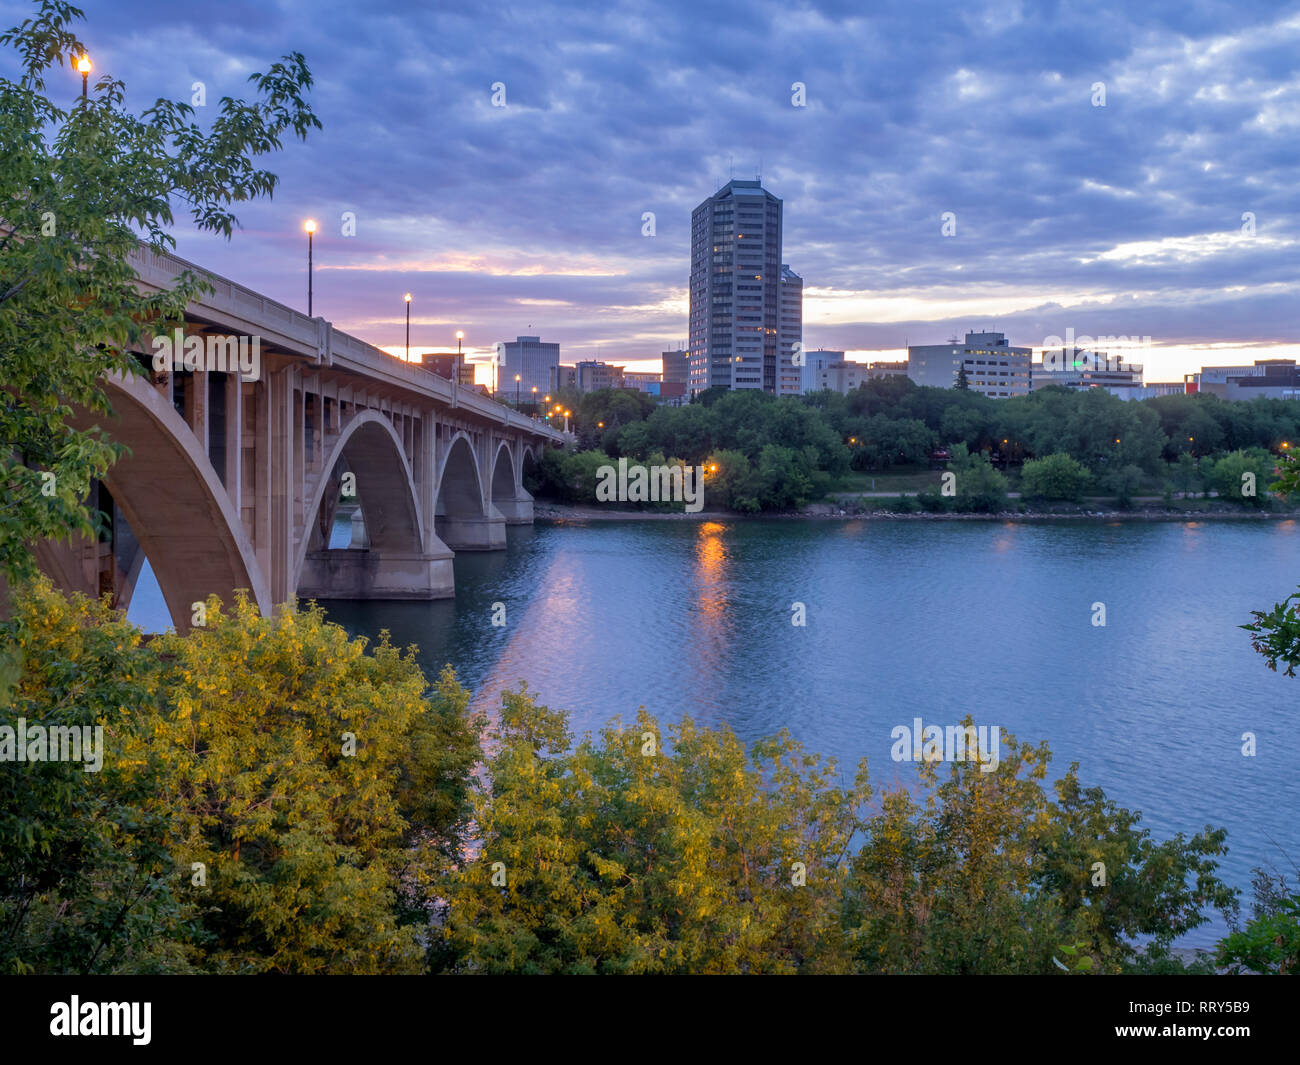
{"points": [[343, 573], [472, 532], [517, 511]]}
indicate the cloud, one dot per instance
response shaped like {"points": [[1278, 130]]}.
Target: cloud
{"points": [[528, 218]]}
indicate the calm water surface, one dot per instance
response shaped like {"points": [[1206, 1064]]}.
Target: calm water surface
{"points": [[909, 619]]}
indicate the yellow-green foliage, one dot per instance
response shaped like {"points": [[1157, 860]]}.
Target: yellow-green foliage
{"points": [[315, 851], [618, 860]]}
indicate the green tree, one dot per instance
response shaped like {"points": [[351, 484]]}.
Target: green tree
{"points": [[730, 481], [1275, 633], [273, 796], [963, 382], [1056, 477], [80, 187], [1124, 482], [785, 477], [979, 486], [990, 872], [1270, 942], [1186, 477], [1243, 476]]}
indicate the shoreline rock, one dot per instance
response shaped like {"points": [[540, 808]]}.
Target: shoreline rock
{"points": [[558, 512]]}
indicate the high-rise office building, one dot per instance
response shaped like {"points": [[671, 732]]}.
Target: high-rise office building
{"points": [[534, 362], [736, 292], [788, 375]]}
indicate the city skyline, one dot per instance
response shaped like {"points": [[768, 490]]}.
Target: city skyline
{"points": [[527, 219]]}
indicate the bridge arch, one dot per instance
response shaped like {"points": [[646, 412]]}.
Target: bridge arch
{"points": [[400, 560], [509, 496], [504, 475], [174, 503], [465, 518], [385, 488]]}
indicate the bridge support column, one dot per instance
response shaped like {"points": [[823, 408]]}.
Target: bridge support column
{"points": [[517, 511], [474, 532], [370, 574]]}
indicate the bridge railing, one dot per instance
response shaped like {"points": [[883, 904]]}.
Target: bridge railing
{"points": [[312, 336]]}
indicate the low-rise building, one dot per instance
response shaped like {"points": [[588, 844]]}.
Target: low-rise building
{"points": [[1076, 368], [814, 362], [992, 366], [446, 363], [586, 376], [888, 369], [1267, 378], [642, 382], [1152, 389], [842, 377], [677, 366]]}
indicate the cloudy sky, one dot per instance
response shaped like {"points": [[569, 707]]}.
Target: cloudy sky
{"points": [[1122, 219]]}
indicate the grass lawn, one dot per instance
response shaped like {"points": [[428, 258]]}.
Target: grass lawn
{"points": [[895, 479]]}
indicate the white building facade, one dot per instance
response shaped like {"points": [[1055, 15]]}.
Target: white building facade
{"points": [[992, 366]]}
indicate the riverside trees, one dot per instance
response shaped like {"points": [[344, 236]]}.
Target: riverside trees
{"points": [[1116, 446]]}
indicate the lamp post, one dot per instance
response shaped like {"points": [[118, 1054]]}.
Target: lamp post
{"points": [[310, 227], [408, 326], [459, 337], [516, 391], [83, 65], [534, 401]]}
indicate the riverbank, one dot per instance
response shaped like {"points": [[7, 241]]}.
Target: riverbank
{"points": [[559, 512]]}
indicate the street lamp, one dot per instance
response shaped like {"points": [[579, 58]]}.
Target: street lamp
{"points": [[534, 401], [407, 297], [310, 227], [83, 65], [516, 391], [567, 415], [459, 337]]}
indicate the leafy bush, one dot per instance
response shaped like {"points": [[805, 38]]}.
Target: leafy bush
{"points": [[1270, 943], [1056, 477], [980, 488], [1243, 476]]}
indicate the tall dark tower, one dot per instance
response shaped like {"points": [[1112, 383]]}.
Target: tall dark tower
{"points": [[735, 318]]}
